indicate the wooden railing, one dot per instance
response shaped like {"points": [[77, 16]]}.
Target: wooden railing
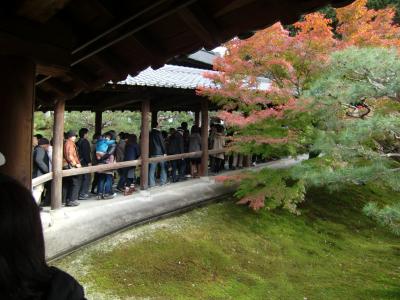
{"points": [[101, 168], [42, 179], [120, 165]]}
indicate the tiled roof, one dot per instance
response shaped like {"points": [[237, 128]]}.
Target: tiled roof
{"points": [[170, 76], [204, 56]]}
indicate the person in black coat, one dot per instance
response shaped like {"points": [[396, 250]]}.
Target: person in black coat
{"points": [[176, 146], [157, 145], [156, 149], [85, 156], [41, 158], [24, 273], [41, 166], [132, 152]]}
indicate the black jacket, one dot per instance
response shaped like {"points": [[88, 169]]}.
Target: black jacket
{"points": [[176, 144], [132, 152], [64, 287], [157, 145], [186, 135], [58, 286], [84, 151], [40, 162]]}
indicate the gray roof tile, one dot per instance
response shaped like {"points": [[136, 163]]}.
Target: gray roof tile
{"points": [[170, 77]]}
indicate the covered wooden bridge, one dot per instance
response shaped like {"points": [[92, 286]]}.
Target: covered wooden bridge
{"points": [[59, 52], [169, 88]]}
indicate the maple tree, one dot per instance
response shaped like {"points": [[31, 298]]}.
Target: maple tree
{"points": [[290, 63], [313, 103], [362, 27]]}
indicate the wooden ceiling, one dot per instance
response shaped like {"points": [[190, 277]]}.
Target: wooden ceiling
{"points": [[79, 45], [113, 97]]}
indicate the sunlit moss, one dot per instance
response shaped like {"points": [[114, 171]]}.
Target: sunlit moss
{"points": [[223, 251]]}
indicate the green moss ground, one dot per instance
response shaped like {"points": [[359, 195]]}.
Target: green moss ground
{"points": [[225, 251]]}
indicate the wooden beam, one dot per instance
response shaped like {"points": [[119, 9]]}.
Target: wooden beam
{"points": [[120, 98], [232, 6], [119, 25], [144, 145], [203, 26], [57, 163], [42, 53], [44, 97], [108, 69], [49, 70], [125, 164], [17, 91], [131, 29], [150, 48], [109, 101], [176, 101], [61, 89], [87, 79], [40, 10], [42, 179], [204, 138], [121, 104], [100, 168]]}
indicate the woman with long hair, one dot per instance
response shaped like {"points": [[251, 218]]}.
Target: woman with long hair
{"points": [[24, 273]]}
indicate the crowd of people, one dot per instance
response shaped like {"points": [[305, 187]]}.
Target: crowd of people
{"points": [[109, 148]]}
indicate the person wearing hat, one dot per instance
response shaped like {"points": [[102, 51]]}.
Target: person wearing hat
{"points": [[40, 166], [35, 140], [71, 184]]}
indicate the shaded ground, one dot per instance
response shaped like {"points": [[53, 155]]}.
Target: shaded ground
{"points": [[224, 251]]}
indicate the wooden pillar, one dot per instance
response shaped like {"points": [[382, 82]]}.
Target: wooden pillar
{"points": [[197, 118], [204, 137], [17, 98], [144, 145], [58, 145], [98, 123]]}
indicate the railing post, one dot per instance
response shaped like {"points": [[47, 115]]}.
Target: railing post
{"points": [[58, 143], [144, 145], [98, 123], [17, 89], [204, 138]]}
